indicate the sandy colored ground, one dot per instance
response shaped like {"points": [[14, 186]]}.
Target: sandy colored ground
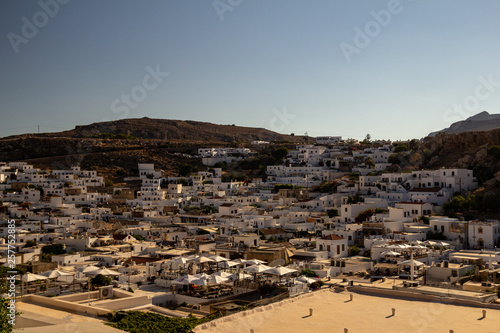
{"points": [[40, 319], [332, 312]]}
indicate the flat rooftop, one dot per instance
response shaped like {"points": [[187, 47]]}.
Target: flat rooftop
{"points": [[332, 312]]}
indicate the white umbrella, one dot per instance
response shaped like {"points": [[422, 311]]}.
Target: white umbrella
{"points": [[58, 274], [180, 260], [410, 261], [201, 276], [201, 260], [306, 279], [218, 258], [443, 244], [240, 276], [227, 264], [222, 274], [55, 273], [279, 270], [239, 261], [88, 269], [390, 253], [201, 282], [30, 277], [256, 268], [253, 262], [103, 271], [186, 279], [217, 279]]}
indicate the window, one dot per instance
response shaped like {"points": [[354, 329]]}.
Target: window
{"points": [[480, 230], [343, 247]]}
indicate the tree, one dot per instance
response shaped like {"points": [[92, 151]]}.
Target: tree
{"points": [[369, 162], [353, 251], [139, 237], [185, 170], [280, 153], [308, 272], [49, 250], [7, 316], [100, 280], [332, 213], [494, 151], [30, 243], [53, 249], [368, 137]]}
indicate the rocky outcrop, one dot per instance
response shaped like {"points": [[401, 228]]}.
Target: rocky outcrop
{"points": [[480, 122]]}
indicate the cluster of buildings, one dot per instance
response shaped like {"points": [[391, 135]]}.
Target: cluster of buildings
{"points": [[376, 222]]}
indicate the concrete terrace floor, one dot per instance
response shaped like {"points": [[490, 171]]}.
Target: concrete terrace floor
{"points": [[332, 312], [40, 319]]}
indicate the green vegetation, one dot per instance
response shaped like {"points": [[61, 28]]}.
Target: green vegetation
{"points": [[483, 173], [353, 251], [400, 147], [186, 169], [112, 136], [424, 219], [280, 153], [351, 200], [326, 187], [100, 280], [30, 243], [143, 322], [53, 249], [369, 162], [435, 235], [364, 215], [301, 233], [332, 213], [278, 187], [5, 316], [209, 210], [307, 272], [139, 237], [470, 203], [108, 182], [494, 151], [396, 158]]}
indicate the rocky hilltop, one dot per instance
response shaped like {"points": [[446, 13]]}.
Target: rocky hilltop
{"points": [[176, 131], [465, 150], [124, 143], [480, 122]]}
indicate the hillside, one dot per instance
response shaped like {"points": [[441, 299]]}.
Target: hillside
{"points": [[464, 150], [480, 122], [185, 131], [122, 144]]}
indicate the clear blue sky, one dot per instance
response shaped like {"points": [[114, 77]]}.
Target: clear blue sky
{"points": [[275, 64]]}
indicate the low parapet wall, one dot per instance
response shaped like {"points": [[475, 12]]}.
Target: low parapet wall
{"points": [[421, 297], [64, 305], [257, 310]]}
